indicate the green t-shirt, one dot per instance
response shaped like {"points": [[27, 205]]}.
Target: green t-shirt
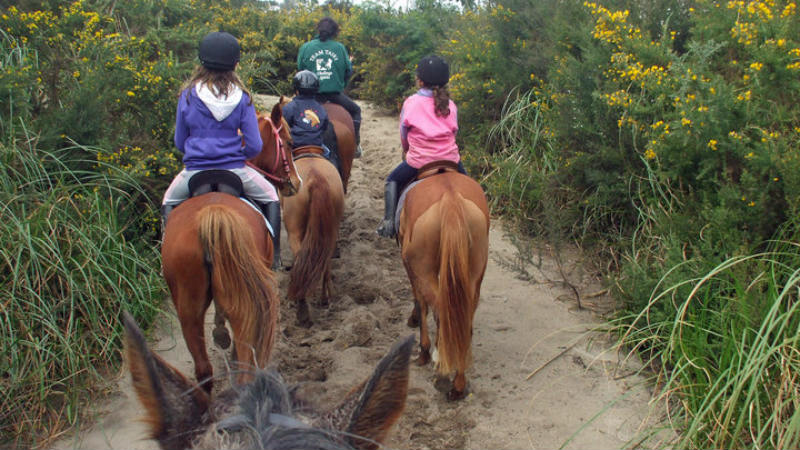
{"points": [[329, 60]]}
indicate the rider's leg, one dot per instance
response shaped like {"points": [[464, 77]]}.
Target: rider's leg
{"points": [[355, 111], [399, 177], [329, 136], [177, 192], [461, 168], [264, 194]]}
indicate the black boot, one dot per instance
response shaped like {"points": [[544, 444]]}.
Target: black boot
{"points": [[389, 204], [165, 210], [357, 128], [272, 211]]}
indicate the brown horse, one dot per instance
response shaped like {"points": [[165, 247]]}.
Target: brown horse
{"points": [[444, 239], [217, 247], [263, 414], [312, 219], [345, 138]]}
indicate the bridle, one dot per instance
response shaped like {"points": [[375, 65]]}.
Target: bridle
{"points": [[280, 157]]}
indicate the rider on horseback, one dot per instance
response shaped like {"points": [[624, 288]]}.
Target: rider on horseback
{"points": [[329, 61], [428, 127], [215, 113], [307, 119]]}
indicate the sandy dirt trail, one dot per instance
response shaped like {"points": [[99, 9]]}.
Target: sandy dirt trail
{"points": [[578, 400]]}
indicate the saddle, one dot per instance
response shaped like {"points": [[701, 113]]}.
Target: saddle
{"points": [[435, 168], [226, 182], [307, 151], [215, 180]]}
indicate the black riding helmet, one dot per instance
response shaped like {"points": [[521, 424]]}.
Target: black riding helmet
{"points": [[306, 82], [433, 71], [219, 51]]}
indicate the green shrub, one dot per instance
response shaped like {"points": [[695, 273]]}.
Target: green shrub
{"points": [[73, 258]]}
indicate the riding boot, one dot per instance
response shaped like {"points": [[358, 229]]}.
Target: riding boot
{"points": [[389, 204], [357, 128], [165, 210], [272, 211]]}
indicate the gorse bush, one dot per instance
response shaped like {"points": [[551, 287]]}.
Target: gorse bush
{"points": [[677, 151]]}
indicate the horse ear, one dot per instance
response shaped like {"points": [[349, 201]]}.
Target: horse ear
{"points": [[175, 406], [277, 114], [381, 399]]}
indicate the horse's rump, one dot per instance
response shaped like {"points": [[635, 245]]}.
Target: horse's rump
{"points": [[443, 232], [312, 220], [216, 246]]}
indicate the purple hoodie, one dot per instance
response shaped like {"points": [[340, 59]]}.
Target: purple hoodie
{"points": [[209, 140]]}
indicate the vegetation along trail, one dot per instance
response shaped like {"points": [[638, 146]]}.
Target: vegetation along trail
{"points": [[577, 395]]}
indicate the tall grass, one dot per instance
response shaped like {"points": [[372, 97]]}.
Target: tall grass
{"points": [[524, 169], [726, 344], [72, 258]]}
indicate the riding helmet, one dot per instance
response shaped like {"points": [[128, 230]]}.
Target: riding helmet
{"points": [[433, 71], [306, 82], [219, 51]]}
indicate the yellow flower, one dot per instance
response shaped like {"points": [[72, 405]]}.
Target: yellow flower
{"points": [[130, 94], [685, 122], [649, 153], [712, 144], [756, 66]]}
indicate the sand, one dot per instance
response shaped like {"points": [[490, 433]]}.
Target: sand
{"points": [[581, 396]]}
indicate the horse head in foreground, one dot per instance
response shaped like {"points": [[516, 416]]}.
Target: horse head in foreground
{"points": [[264, 413]]}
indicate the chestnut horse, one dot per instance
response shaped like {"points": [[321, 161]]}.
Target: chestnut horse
{"points": [[265, 413], [217, 247], [444, 238], [312, 219], [345, 138]]}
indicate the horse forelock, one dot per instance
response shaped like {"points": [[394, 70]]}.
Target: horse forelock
{"points": [[263, 417]]}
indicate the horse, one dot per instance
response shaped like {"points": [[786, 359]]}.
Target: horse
{"points": [[217, 247], [444, 240], [342, 123], [264, 413], [312, 219]]}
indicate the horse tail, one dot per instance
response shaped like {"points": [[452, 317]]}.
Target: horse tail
{"points": [[319, 242], [455, 291], [241, 280]]}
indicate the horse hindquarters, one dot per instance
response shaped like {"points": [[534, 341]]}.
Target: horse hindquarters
{"points": [[445, 256], [323, 213], [247, 297], [457, 289]]}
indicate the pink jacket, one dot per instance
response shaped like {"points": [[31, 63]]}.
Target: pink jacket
{"points": [[425, 136]]}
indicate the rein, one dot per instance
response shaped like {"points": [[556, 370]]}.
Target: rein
{"points": [[280, 156]]}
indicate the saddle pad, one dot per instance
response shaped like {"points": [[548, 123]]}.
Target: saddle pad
{"points": [[261, 213], [400, 203]]}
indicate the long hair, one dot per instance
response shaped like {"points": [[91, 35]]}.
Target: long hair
{"points": [[441, 98], [222, 80], [327, 28]]}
